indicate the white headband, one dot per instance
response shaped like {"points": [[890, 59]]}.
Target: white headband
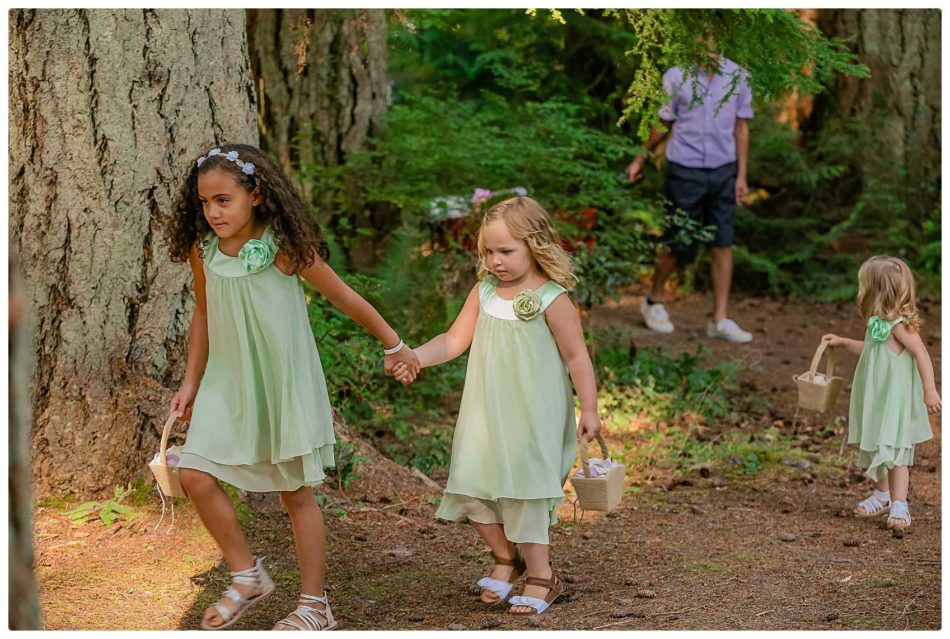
{"points": [[246, 167]]}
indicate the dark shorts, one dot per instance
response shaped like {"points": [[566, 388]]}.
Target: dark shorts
{"points": [[708, 196]]}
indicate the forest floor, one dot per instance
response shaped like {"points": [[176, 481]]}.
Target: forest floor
{"points": [[712, 548]]}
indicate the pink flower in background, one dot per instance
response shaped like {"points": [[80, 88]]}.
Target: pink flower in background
{"points": [[480, 195]]}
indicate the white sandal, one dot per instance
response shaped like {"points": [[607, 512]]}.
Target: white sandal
{"points": [[500, 588], [254, 576], [875, 505], [901, 513], [308, 616]]}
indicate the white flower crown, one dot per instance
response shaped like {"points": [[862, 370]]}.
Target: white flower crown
{"points": [[246, 167]]}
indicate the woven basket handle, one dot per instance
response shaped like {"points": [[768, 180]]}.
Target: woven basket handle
{"points": [[584, 456], [830, 369], [166, 431]]}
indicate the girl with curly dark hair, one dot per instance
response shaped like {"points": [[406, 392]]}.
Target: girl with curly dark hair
{"points": [[254, 389]]}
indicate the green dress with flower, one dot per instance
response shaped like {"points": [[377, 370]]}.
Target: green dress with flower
{"points": [[261, 420], [887, 416], [515, 439]]}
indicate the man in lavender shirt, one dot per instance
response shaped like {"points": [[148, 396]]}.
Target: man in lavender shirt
{"points": [[707, 156]]}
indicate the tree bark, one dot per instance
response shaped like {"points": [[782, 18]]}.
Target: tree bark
{"points": [[322, 90], [902, 49], [107, 110]]}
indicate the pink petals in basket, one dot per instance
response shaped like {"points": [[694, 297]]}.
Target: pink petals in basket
{"points": [[598, 468], [172, 455]]}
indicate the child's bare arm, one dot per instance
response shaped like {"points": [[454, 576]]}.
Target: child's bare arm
{"points": [[197, 343], [328, 283], [851, 345], [911, 341], [457, 339], [565, 325]]}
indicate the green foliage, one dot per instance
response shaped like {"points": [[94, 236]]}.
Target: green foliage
{"points": [[678, 450], [830, 204], [421, 286], [658, 386], [351, 357], [107, 512], [463, 53], [781, 52], [245, 513], [352, 362], [347, 459], [443, 146]]}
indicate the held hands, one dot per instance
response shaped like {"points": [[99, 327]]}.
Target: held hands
{"points": [[404, 365], [588, 427], [932, 401], [182, 403]]}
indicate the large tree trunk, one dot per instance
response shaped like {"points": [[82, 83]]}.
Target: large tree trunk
{"points": [[107, 109], [322, 90], [902, 49]]}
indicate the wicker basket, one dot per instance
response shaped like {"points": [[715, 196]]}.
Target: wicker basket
{"points": [[165, 475], [598, 493], [815, 393]]}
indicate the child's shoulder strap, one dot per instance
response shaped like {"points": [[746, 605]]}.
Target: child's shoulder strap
{"points": [[209, 244], [486, 288], [548, 292]]}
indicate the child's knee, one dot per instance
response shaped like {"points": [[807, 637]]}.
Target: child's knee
{"points": [[195, 481], [300, 498]]}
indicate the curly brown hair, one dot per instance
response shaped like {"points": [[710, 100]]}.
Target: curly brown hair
{"points": [[296, 232]]}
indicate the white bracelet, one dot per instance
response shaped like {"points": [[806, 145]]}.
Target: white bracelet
{"points": [[395, 349]]}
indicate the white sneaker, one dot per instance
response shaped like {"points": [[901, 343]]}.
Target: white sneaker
{"points": [[728, 330], [656, 317]]}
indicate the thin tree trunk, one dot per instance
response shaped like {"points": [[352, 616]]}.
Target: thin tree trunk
{"points": [[321, 80], [22, 595], [107, 109]]}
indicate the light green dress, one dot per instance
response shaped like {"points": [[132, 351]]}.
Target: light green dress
{"points": [[515, 439], [887, 416], [261, 420]]}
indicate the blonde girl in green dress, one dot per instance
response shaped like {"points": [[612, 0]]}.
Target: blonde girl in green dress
{"points": [[893, 390], [516, 436], [254, 390]]}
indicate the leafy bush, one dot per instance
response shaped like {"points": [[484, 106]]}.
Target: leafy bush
{"points": [[660, 386], [829, 205]]}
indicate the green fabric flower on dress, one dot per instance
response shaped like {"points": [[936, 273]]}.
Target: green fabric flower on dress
{"points": [[256, 255], [527, 304], [879, 329]]}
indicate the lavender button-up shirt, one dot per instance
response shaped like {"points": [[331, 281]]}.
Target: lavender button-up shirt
{"points": [[703, 135]]}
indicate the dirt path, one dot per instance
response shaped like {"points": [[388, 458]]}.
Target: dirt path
{"points": [[776, 551]]}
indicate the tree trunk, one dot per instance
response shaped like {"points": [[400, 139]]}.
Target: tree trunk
{"points": [[322, 90], [107, 110], [902, 49]]}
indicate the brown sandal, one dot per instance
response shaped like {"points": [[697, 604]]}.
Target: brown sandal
{"points": [[554, 586], [497, 587]]}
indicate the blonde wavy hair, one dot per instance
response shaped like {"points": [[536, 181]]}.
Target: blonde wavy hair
{"points": [[528, 221], [886, 288]]}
